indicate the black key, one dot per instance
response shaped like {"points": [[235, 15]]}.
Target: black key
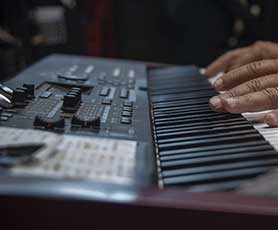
{"points": [[193, 116], [175, 88], [239, 125], [204, 131], [182, 109], [212, 160], [206, 112], [219, 168], [202, 123], [199, 143], [224, 146], [187, 120], [168, 98], [195, 103], [181, 90], [207, 136], [216, 152]]}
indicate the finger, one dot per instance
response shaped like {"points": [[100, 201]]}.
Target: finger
{"points": [[221, 63], [267, 50], [244, 59], [246, 73], [258, 51], [255, 85], [253, 102], [216, 104], [272, 118]]}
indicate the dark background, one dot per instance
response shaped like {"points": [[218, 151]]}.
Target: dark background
{"points": [[168, 31]]}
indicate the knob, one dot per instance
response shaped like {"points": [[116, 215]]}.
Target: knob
{"points": [[70, 103], [84, 122], [30, 88], [72, 100], [49, 123], [19, 95]]}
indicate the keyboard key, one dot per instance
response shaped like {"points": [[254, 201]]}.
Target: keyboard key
{"points": [[215, 160]]}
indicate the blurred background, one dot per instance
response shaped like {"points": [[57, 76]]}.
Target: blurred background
{"points": [[165, 31]]}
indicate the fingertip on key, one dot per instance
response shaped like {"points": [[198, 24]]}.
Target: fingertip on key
{"points": [[215, 103], [203, 71], [219, 84], [271, 119]]}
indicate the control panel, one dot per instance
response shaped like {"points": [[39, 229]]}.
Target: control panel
{"points": [[74, 95], [98, 110]]}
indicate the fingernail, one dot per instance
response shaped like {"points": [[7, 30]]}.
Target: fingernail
{"points": [[216, 102], [219, 84], [271, 119]]}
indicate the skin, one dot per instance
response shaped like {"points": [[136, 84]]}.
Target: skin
{"points": [[250, 81]]}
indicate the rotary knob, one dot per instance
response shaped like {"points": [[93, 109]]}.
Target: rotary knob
{"points": [[49, 123], [84, 122]]}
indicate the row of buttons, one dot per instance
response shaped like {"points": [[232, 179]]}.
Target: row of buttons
{"points": [[105, 91], [127, 112]]}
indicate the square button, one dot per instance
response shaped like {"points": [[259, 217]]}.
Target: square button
{"points": [[126, 120], [124, 93], [106, 101], [128, 103], [127, 114], [105, 91], [46, 94], [128, 109]]}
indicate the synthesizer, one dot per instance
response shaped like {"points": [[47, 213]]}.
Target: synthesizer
{"points": [[71, 118]]}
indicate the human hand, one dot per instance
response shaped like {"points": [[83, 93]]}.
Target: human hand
{"points": [[251, 83], [239, 57]]}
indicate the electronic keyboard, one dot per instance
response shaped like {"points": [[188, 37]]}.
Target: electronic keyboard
{"points": [[122, 123]]}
